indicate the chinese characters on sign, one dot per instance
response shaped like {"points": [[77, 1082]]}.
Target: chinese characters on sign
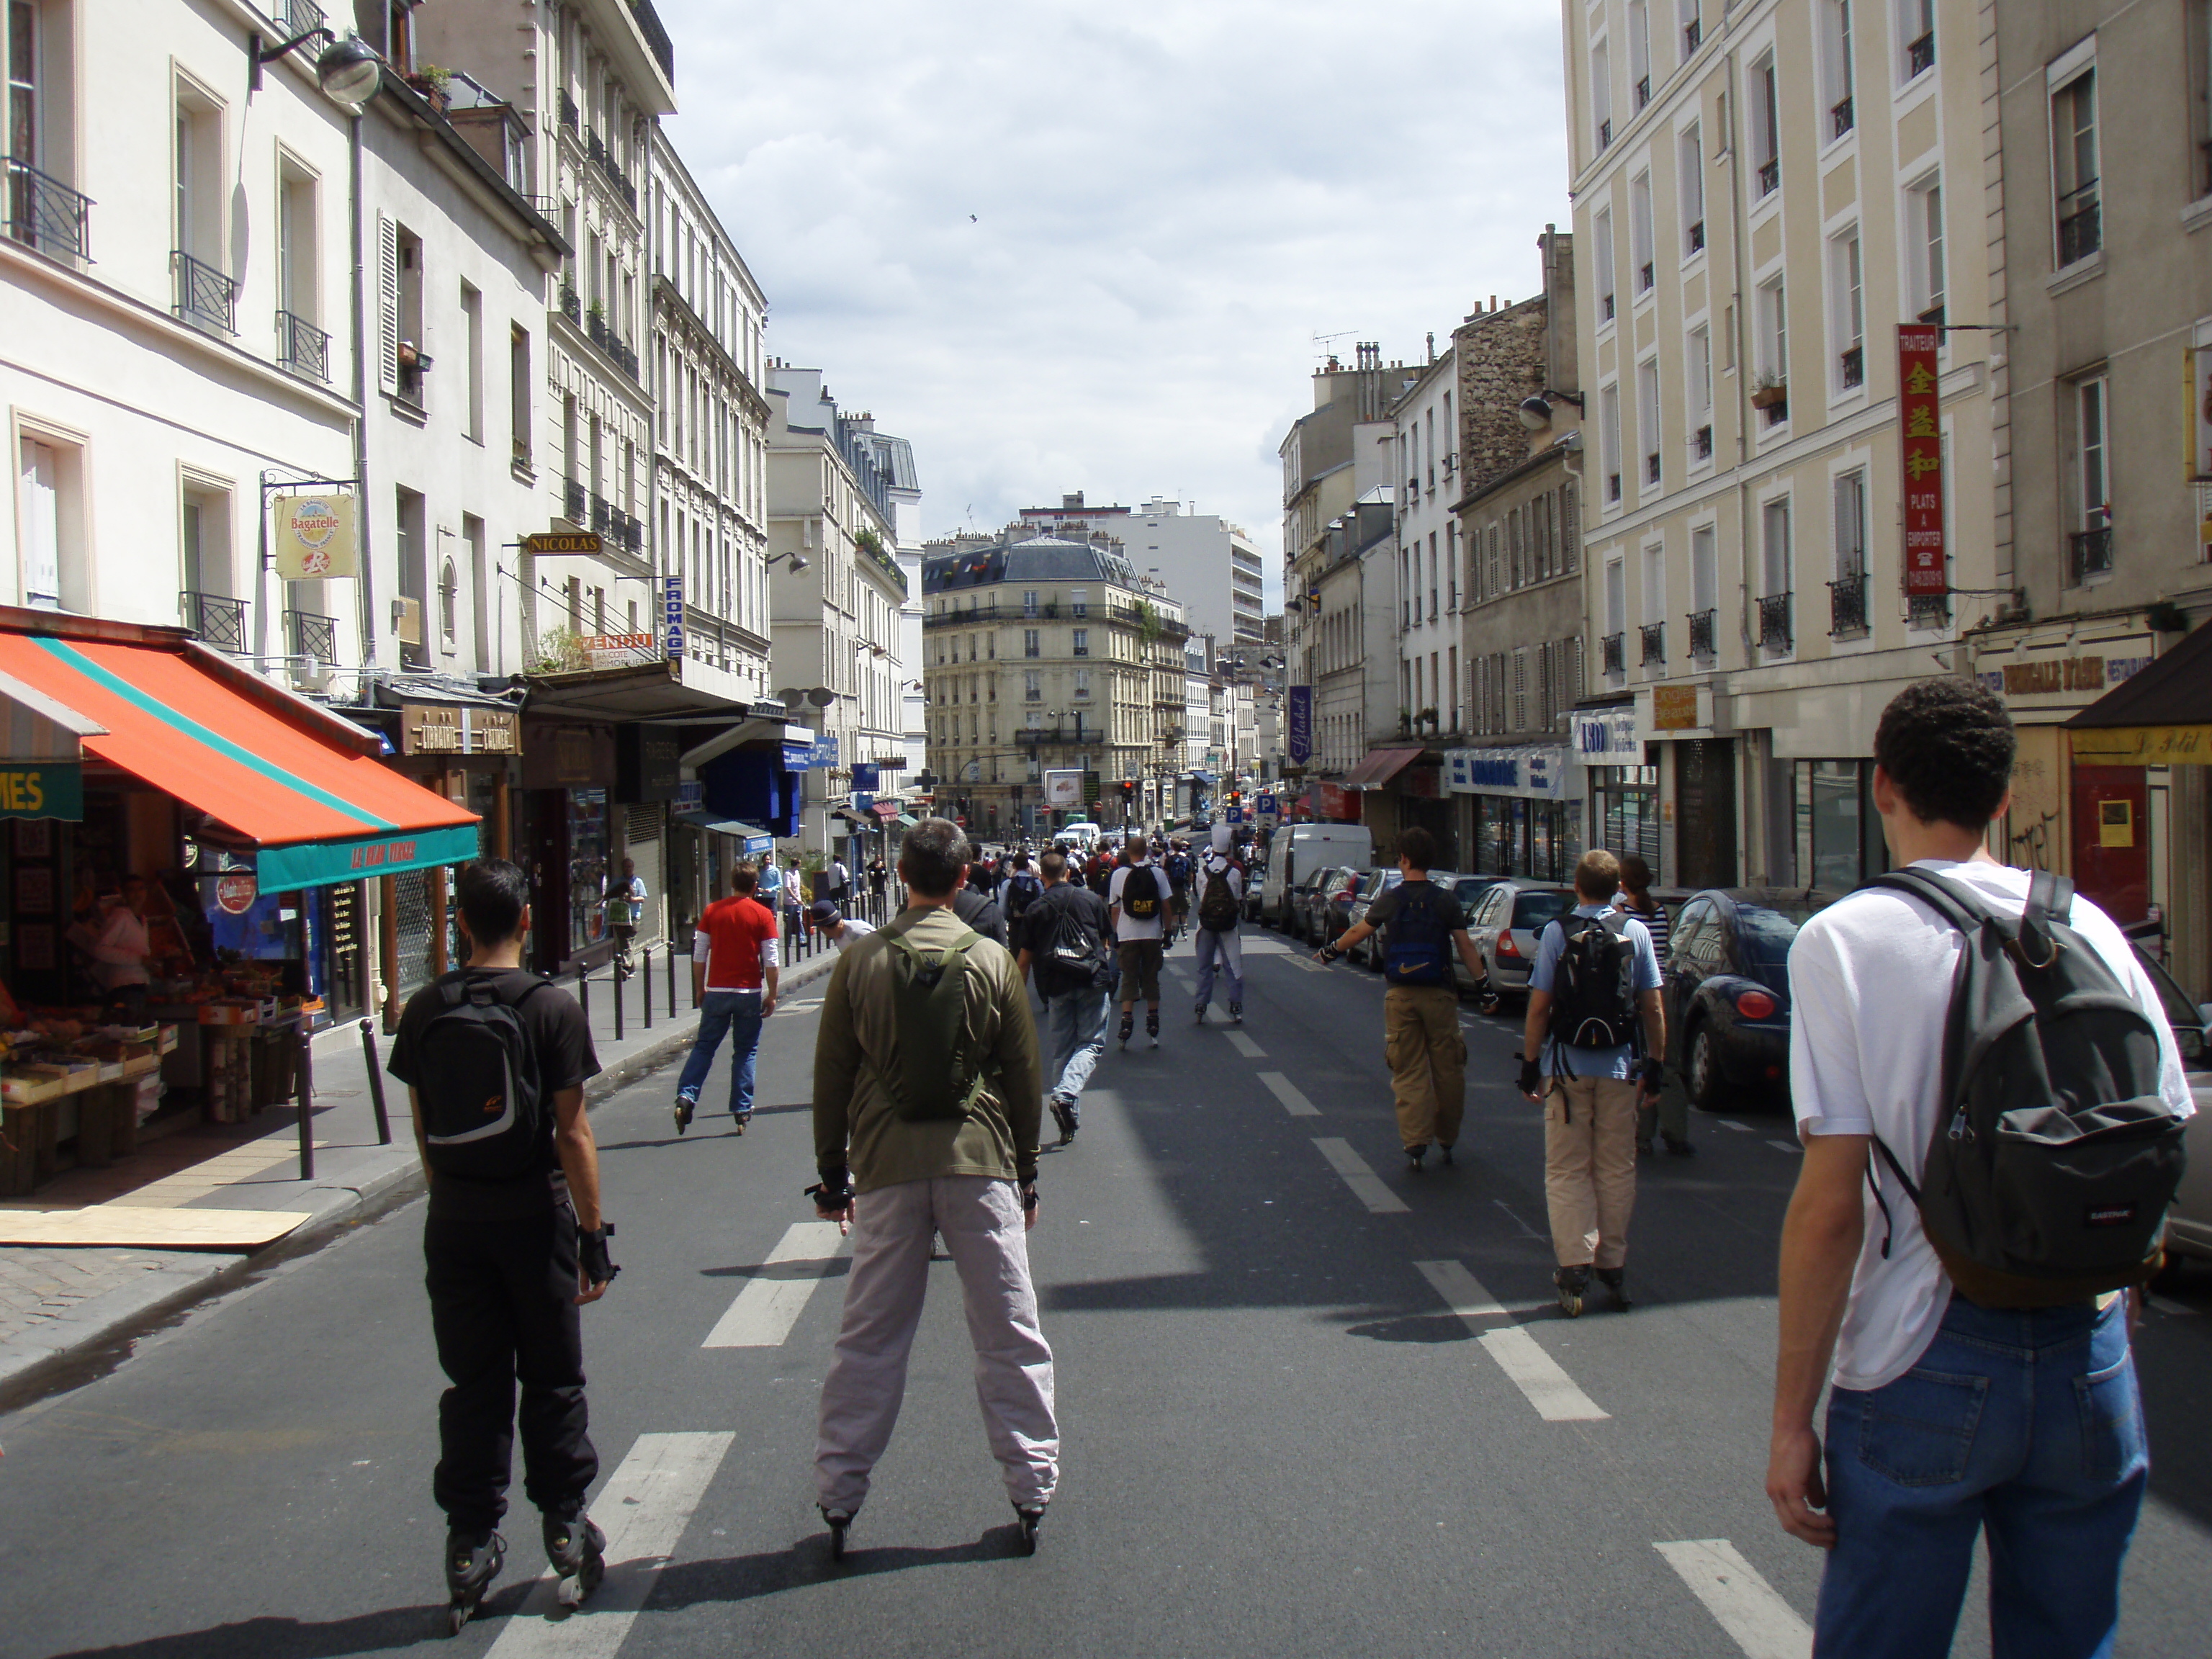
{"points": [[1920, 426]]}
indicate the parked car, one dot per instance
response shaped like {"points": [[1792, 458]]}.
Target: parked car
{"points": [[2189, 1222], [1506, 923], [1375, 883], [1726, 987], [1464, 889], [1298, 919], [1470, 891], [1327, 902]]}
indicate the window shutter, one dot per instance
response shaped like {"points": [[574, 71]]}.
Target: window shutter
{"points": [[387, 306], [1579, 686], [1570, 526], [1521, 689]]}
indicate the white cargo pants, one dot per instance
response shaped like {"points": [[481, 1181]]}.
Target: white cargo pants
{"points": [[981, 1222]]}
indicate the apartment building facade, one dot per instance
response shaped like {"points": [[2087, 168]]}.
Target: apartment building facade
{"points": [[1763, 194]]}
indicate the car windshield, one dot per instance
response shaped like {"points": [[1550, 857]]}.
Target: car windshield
{"points": [[1469, 889], [1533, 910], [1764, 935]]}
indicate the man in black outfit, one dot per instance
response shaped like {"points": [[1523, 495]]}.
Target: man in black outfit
{"points": [[510, 1261]]}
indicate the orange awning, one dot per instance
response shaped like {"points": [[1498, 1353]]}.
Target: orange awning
{"points": [[280, 772]]}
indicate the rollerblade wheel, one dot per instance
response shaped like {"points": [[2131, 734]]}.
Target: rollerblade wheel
{"points": [[840, 1525], [577, 1552], [472, 1561], [1028, 1521]]}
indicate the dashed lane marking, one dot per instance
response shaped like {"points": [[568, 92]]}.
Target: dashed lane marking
{"points": [[1293, 1098], [1785, 1146], [2171, 1308], [1542, 1380], [770, 1303], [1744, 1604], [1730, 1123], [1365, 1184], [1245, 1045], [643, 1510]]}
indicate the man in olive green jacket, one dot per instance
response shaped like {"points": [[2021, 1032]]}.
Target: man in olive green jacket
{"points": [[971, 1179]]}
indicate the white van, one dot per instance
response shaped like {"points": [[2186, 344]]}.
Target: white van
{"points": [[1298, 849], [1080, 834]]}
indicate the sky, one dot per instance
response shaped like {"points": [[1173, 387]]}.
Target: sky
{"points": [[1065, 246]]}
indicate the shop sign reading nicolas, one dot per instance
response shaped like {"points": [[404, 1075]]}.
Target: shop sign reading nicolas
{"points": [[441, 729]]}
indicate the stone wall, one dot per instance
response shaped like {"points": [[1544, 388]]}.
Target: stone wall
{"points": [[1502, 357]]}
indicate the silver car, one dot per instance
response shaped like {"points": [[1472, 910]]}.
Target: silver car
{"points": [[1506, 923], [2189, 1222]]}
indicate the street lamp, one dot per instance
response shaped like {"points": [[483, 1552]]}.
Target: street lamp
{"points": [[348, 70], [797, 560], [1536, 412]]}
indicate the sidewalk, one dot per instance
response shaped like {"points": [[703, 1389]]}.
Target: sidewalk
{"points": [[59, 1301]]}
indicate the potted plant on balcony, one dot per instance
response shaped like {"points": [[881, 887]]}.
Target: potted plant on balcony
{"points": [[435, 85], [1769, 390], [1429, 717]]}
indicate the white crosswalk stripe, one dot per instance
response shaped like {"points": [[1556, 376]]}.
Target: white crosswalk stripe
{"points": [[771, 1301], [1785, 1146], [1730, 1123], [1365, 1184], [643, 1509], [1244, 1046], [1293, 1098], [1540, 1378], [1744, 1604]]}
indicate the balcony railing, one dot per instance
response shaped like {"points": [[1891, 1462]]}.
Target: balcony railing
{"points": [[300, 16], [45, 213], [1701, 443], [2090, 553], [595, 325], [215, 620], [572, 303], [602, 516], [302, 347], [1840, 119], [1651, 468], [1931, 610], [1692, 33], [1612, 486], [205, 294], [307, 634], [575, 501], [1605, 132], [1697, 235], [1847, 607], [1643, 90], [2081, 224], [1702, 626], [1770, 175], [1605, 307], [656, 38], [962, 618], [1852, 362], [1653, 637], [570, 118], [625, 357], [1644, 277], [1612, 653], [1774, 633], [1921, 54]]}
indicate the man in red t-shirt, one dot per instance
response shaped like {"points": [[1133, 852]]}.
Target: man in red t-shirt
{"points": [[734, 974]]}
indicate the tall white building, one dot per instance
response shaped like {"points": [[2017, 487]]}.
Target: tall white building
{"points": [[1208, 562], [1424, 447], [894, 459]]}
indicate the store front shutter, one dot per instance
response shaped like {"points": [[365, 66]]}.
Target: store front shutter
{"points": [[645, 841], [413, 920]]}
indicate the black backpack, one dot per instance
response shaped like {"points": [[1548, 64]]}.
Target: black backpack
{"points": [[1142, 907], [1594, 990], [2048, 1174], [1216, 905], [1076, 951], [484, 1113], [1417, 945]]}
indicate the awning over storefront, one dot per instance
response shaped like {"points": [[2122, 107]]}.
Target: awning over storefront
{"points": [[906, 820], [885, 810], [756, 839], [1380, 766], [299, 785], [2161, 716]]}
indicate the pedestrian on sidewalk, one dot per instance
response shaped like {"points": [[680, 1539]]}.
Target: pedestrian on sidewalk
{"points": [[1967, 1398], [1137, 903], [840, 930], [1421, 925], [626, 896], [879, 879], [513, 1242], [735, 966], [840, 882], [1669, 1111], [1220, 907], [926, 1118], [1594, 991], [1065, 948]]}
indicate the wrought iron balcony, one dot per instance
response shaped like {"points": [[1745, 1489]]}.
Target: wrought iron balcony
{"points": [[1770, 175], [1921, 54], [1651, 468], [215, 620], [1702, 628], [656, 37], [575, 501], [45, 213], [205, 294], [1697, 235], [625, 357], [2090, 553], [1644, 277], [1774, 633], [1604, 132], [602, 514], [300, 16], [1931, 610], [302, 347], [572, 304], [1643, 90], [1692, 33], [1612, 653], [963, 618], [1840, 119], [1605, 307], [1847, 607], [2081, 224], [1612, 486], [1653, 637], [1852, 363], [595, 147], [1701, 443], [595, 325], [307, 634], [569, 117]]}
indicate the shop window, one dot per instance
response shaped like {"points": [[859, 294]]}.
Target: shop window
{"points": [[1839, 838]]}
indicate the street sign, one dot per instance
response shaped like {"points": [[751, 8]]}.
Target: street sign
{"points": [[672, 616], [1234, 815], [547, 542], [1300, 704], [1919, 419], [866, 776]]}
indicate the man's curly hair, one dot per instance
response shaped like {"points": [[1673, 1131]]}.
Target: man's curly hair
{"points": [[1947, 745]]}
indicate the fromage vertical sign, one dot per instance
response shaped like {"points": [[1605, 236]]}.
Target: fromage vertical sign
{"points": [[1919, 419], [315, 537]]}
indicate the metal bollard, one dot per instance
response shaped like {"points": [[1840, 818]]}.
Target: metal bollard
{"points": [[375, 1084], [306, 1083], [584, 993], [644, 987], [615, 985]]}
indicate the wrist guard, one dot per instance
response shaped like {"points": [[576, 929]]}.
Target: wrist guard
{"points": [[592, 1255], [1653, 1072], [834, 1192], [1029, 1194], [1532, 1078], [1330, 953]]}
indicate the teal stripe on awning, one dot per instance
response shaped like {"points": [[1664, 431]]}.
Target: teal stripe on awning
{"points": [[186, 726], [323, 863]]}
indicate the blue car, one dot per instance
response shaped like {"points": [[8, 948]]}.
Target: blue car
{"points": [[1727, 992]]}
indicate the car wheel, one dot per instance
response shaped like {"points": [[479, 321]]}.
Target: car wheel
{"points": [[1701, 1073]]}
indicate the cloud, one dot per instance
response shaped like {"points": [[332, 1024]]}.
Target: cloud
{"points": [[1167, 204]]}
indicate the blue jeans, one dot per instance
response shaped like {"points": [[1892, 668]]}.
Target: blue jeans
{"points": [[739, 1014], [1074, 1037], [2026, 1423]]}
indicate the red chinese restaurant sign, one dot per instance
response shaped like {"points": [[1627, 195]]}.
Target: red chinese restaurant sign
{"points": [[1920, 426]]}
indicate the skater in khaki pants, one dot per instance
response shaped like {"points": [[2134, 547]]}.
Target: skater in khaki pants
{"points": [[1596, 982]]}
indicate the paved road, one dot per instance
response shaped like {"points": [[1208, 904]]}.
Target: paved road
{"points": [[1313, 1403]]}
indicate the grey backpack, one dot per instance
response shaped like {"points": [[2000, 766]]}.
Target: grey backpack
{"points": [[2048, 1174], [937, 1079]]}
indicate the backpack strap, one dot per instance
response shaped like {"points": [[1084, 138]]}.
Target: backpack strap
{"points": [[2049, 899], [1956, 903]]}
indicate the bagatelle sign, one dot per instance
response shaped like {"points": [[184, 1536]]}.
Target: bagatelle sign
{"points": [[314, 537]]}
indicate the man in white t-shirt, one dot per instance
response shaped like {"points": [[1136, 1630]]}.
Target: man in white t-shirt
{"points": [[1945, 1417], [1137, 903], [839, 929]]}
